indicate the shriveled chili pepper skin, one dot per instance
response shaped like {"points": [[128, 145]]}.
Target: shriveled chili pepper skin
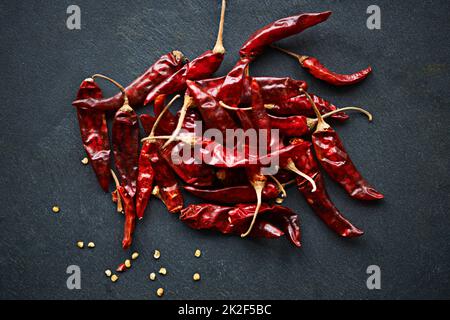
{"points": [[319, 71], [144, 181], [125, 138], [235, 194], [279, 30], [232, 88], [147, 122], [319, 200], [272, 221], [136, 92], [213, 115], [200, 68], [94, 133], [300, 105], [337, 163], [130, 217], [294, 126]]}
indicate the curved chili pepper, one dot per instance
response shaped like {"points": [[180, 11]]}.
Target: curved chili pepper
{"points": [[136, 92], [337, 163], [300, 105], [232, 88], [125, 139], [94, 133], [319, 71], [144, 181], [130, 217], [280, 29], [200, 68], [272, 222], [235, 194], [319, 200]]}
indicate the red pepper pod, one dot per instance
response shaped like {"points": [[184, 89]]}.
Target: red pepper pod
{"points": [[136, 92], [319, 200], [337, 163], [300, 105], [94, 133], [213, 115], [319, 71], [294, 126], [232, 88], [125, 138], [279, 30], [144, 181], [147, 122], [235, 194], [130, 217]]}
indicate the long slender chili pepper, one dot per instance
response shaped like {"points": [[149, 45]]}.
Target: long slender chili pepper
{"points": [[319, 200], [125, 138], [235, 194], [130, 212], [300, 105], [337, 163], [280, 29], [200, 68], [232, 88], [319, 71], [136, 92], [168, 120], [272, 222], [94, 133]]}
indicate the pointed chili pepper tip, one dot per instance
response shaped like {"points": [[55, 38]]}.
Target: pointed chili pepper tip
{"points": [[367, 193], [352, 233]]}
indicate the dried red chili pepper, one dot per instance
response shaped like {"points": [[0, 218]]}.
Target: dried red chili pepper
{"points": [[231, 177], [272, 222], [337, 163], [125, 139], [168, 121], [235, 194], [319, 71], [136, 92], [200, 68], [280, 29], [232, 88], [300, 105], [145, 180], [94, 133], [319, 200]]}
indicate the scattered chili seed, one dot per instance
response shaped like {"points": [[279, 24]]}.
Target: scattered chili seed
{"points": [[152, 276], [108, 273], [80, 244], [121, 267], [128, 263], [157, 254], [55, 209], [135, 255], [91, 245], [85, 161], [198, 253], [114, 278], [163, 271], [196, 277], [160, 292]]}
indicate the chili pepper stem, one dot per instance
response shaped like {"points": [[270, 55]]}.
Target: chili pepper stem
{"points": [[367, 113], [158, 120], [219, 48], [259, 186], [224, 105], [280, 187], [187, 140], [188, 102], [321, 124], [291, 166], [119, 199], [126, 105], [299, 57]]}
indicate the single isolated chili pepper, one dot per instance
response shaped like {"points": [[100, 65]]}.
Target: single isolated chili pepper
{"points": [[200, 68], [319, 71], [94, 133], [279, 30], [337, 163], [125, 139], [136, 92], [319, 200], [273, 221], [235, 194]]}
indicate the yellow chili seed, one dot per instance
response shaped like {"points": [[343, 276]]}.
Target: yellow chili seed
{"points": [[55, 209], [160, 292], [152, 276], [157, 254], [85, 161], [135, 255], [163, 271], [114, 278], [196, 277], [108, 273], [128, 263], [80, 244], [91, 245], [198, 253]]}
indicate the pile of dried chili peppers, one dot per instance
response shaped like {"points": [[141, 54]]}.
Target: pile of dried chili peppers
{"points": [[240, 197]]}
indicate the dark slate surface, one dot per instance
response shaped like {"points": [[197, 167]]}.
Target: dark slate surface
{"points": [[404, 152]]}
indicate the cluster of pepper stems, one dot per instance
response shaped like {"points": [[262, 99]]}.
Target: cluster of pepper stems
{"points": [[239, 196]]}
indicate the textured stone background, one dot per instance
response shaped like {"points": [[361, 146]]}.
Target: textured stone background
{"points": [[404, 153]]}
